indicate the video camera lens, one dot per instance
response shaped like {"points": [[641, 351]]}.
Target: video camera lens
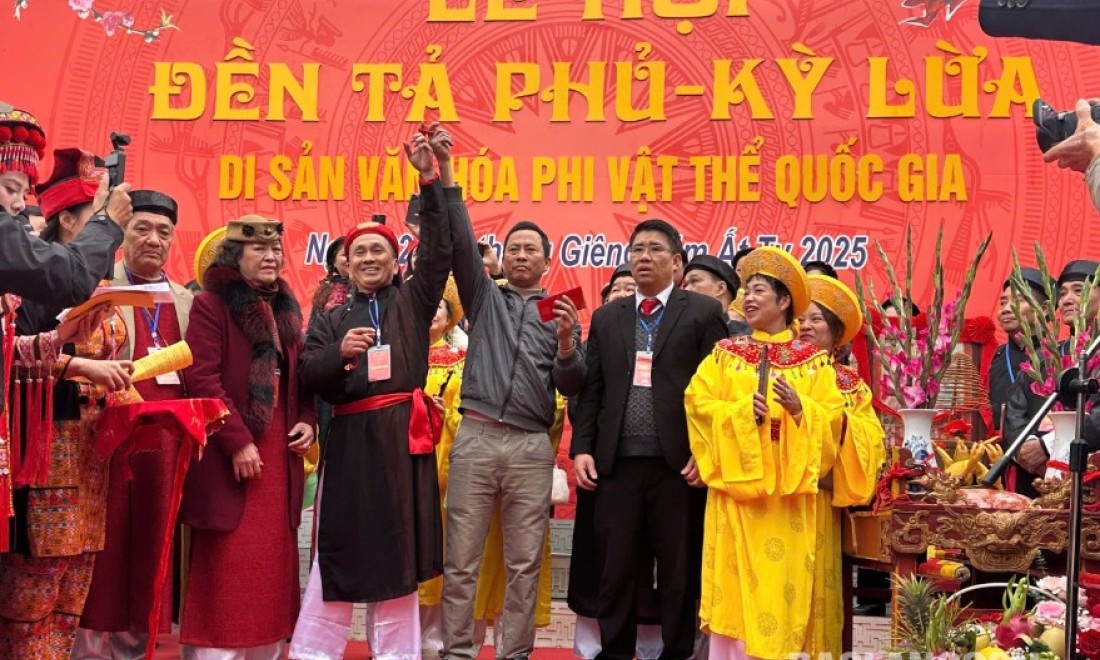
{"points": [[1052, 126]]}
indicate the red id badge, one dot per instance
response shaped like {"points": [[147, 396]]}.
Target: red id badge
{"points": [[643, 369], [378, 364]]}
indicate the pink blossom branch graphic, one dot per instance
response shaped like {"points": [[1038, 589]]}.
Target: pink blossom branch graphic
{"points": [[112, 21]]}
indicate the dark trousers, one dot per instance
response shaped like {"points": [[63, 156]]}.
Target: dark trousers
{"points": [[645, 499]]}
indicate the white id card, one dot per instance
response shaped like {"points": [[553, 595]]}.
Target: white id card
{"points": [[643, 369], [378, 363], [170, 378]]}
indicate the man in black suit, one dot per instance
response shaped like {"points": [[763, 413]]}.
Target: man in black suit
{"points": [[630, 442]]}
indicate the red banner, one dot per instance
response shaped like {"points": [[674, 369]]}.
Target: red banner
{"points": [[820, 126]]}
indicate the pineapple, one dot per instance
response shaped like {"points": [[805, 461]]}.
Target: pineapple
{"points": [[915, 599], [928, 623]]}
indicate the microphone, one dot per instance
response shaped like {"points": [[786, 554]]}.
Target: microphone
{"points": [[1070, 384]]}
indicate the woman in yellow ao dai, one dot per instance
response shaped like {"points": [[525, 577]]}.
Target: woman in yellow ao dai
{"points": [[760, 546], [831, 322]]}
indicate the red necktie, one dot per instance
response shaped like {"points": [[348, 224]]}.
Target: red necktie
{"points": [[650, 305]]}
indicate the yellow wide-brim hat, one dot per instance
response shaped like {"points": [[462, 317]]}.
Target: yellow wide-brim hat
{"points": [[836, 297], [781, 265], [208, 249], [450, 294]]}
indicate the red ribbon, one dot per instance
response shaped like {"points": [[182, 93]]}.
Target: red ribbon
{"points": [[883, 497], [34, 451], [7, 434], [1091, 475], [137, 427], [35, 468], [883, 408], [425, 427]]}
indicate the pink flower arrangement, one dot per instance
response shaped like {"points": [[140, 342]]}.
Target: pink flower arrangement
{"points": [[1049, 613], [1056, 584], [915, 352]]}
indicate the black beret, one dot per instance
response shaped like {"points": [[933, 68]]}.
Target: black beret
{"points": [[152, 201], [1078, 270], [1034, 278], [621, 271], [889, 304], [330, 253], [716, 267]]}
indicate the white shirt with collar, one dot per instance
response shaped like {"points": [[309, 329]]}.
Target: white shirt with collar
{"points": [[662, 297]]}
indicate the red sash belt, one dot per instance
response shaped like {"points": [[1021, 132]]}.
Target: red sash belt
{"points": [[425, 426]]}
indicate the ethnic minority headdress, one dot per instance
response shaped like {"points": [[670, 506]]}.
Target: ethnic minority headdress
{"points": [[22, 142], [74, 181]]}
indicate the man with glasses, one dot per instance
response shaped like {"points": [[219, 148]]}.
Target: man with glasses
{"points": [[630, 442]]}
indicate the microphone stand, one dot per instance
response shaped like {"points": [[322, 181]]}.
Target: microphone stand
{"points": [[1074, 388], [1001, 466]]}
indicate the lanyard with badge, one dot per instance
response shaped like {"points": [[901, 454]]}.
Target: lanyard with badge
{"points": [[152, 321], [378, 356], [643, 360]]}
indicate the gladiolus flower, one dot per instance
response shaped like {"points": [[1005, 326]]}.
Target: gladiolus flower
{"points": [[914, 395]]}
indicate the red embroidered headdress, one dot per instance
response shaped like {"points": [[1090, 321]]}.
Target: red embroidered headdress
{"points": [[74, 181], [22, 142]]}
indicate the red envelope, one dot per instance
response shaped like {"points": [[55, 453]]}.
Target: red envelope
{"points": [[546, 305]]}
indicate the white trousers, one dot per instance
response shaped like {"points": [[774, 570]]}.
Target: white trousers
{"points": [[274, 651], [728, 648], [587, 644], [431, 628], [98, 645], [393, 626], [322, 630]]}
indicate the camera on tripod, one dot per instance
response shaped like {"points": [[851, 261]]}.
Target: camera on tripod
{"points": [[1052, 126]]}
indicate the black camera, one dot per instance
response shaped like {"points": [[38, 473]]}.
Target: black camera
{"points": [[1052, 126], [116, 160]]}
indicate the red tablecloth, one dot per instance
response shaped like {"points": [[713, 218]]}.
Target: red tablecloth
{"points": [[136, 427]]}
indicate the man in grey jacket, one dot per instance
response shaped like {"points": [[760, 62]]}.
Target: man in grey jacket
{"points": [[502, 449]]}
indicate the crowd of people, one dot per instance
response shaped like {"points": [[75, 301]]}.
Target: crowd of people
{"points": [[718, 432]]}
